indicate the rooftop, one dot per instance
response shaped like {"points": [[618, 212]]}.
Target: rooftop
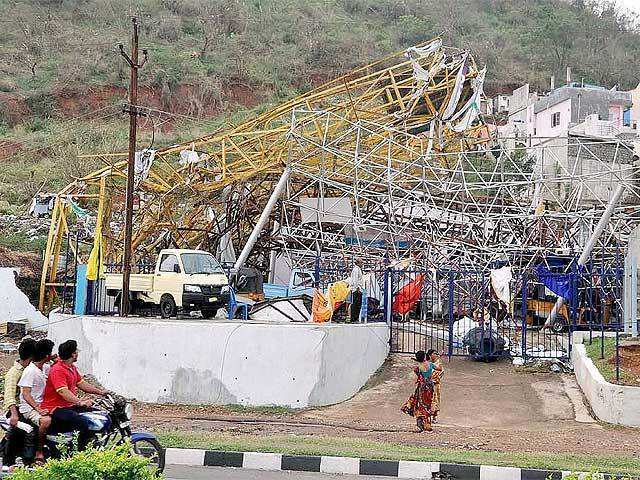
{"points": [[592, 92]]}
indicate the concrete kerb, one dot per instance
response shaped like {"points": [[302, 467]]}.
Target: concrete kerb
{"points": [[357, 466], [617, 404]]}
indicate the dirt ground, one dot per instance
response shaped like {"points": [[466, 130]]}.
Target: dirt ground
{"points": [[489, 407], [485, 407], [629, 359]]}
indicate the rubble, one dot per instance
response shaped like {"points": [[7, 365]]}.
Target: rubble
{"points": [[29, 226]]}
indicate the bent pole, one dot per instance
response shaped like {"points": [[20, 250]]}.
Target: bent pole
{"points": [[264, 218], [604, 220], [588, 248]]}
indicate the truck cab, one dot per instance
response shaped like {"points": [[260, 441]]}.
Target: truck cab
{"points": [[301, 282], [183, 281], [193, 278]]}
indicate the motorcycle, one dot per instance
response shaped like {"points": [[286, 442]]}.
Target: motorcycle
{"points": [[110, 424]]}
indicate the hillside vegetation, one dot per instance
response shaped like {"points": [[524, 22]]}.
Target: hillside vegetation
{"points": [[212, 61]]}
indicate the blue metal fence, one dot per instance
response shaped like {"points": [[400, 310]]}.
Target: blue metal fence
{"points": [[456, 312]]}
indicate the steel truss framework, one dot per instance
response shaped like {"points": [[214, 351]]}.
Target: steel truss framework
{"points": [[399, 139], [465, 209]]}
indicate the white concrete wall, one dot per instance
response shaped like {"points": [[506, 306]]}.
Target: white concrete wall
{"points": [[208, 362], [543, 121], [15, 305], [610, 403], [635, 108]]}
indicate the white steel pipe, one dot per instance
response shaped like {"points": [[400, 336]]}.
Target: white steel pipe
{"points": [[588, 248], [606, 216], [264, 218]]}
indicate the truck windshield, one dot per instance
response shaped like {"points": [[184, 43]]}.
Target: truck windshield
{"points": [[200, 263]]}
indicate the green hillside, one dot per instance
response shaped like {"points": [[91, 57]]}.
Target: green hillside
{"points": [[212, 61]]}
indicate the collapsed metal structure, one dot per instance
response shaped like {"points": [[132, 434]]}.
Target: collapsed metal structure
{"points": [[387, 162]]}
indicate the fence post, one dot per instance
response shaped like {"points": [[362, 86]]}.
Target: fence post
{"points": [[575, 304], [601, 309], [75, 275], [386, 296], [618, 352], [451, 300], [523, 309], [316, 272]]}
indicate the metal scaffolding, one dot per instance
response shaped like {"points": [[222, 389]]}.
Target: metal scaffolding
{"points": [[392, 160], [465, 209]]}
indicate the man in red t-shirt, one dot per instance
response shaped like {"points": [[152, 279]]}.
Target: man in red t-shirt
{"points": [[60, 395]]}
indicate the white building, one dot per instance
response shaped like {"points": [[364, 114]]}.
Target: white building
{"points": [[569, 105], [535, 119], [520, 124], [486, 106], [501, 103]]}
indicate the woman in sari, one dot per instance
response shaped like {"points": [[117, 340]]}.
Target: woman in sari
{"points": [[436, 378], [420, 403]]}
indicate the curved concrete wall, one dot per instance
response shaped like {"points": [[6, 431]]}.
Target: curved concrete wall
{"points": [[209, 362], [610, 403]]}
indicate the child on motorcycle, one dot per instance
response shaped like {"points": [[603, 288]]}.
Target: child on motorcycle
{"points": [[13, 438], [32, 384]]}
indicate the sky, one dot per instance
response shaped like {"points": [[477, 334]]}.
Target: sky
{"points": [[633, 5]]}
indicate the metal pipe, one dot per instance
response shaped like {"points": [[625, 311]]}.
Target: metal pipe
{"points": [[584, 257], [604, 220], [262, 221]]}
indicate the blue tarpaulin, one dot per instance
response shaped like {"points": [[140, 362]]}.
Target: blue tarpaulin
{"points": [[558, 283]]}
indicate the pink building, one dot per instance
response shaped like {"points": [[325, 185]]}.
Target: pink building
{"points": [[570, 105]]}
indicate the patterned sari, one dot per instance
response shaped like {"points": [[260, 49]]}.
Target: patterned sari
{"points": [[419, 404], [435, 404]]}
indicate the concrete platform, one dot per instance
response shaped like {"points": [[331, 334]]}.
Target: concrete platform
{"points": [[616, 404], [225, 362]]}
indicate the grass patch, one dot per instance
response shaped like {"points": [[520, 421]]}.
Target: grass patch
{"points": [[353, 447], [607, 368], [267, 410], [21, 242]]}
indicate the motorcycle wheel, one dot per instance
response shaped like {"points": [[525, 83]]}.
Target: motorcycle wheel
{"points": [[150, 448]]}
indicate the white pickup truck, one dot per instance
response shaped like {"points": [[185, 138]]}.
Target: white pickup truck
{"points": [[183, 281]]}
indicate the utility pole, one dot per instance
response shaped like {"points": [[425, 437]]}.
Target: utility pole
{"points": [[132, 109]]}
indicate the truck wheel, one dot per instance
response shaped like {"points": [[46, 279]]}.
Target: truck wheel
{"points": [[167, 306]]}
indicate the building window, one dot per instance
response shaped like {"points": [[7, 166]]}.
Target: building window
{"points": [[555, 119]]}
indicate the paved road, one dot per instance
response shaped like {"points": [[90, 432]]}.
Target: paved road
{"points": [[174, 472]]}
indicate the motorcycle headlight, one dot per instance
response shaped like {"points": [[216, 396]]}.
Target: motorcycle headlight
{"points": [[128, 411], [225, 289], [192, 288]]}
